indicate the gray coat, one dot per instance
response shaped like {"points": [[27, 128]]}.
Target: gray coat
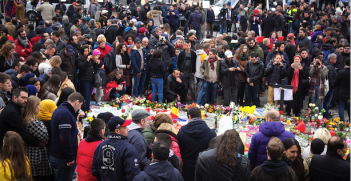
{"points": [[226, 73]]}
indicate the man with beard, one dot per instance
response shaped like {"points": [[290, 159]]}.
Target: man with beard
{"points": [[10, 118], [23, 45], [73, 40]]}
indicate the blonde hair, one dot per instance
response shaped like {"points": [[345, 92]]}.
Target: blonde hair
{"points": [[100, 39], [69, 84], [167, 126], [55, 61], [28, 112], [322, 134], [266, 40]]}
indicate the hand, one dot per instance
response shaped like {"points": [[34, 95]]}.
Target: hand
{"points": [[89, 57], [70, 164], [173, 13], [128, 66], [1, 110], [42, 143], [178, 98], [280, 64], [23, 50], [193, 73], [300, 67], [248, 80], [181, 73], [304, 21], [179, 80], [138, 75], [274, 63], [81, 114], [251, 84], [167, 14], [102, 67], [292, 65]]}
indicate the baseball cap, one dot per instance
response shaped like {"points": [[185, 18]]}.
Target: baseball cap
{"points": [[142, 30], [104, 11], [74, 3], [138, 114], [291, 35], [69, 49], [116, 122], [229, 3], [137, 40], [228, 54]]}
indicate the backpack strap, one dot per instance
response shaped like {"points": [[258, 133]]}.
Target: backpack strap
{"points": [[237, 166]]}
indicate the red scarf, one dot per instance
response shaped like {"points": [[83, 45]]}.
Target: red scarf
{"points": [[179, 47], [212, 61], [295, 80]]}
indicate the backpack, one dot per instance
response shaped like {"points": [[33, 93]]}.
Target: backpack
{"points": [[326, 54], [315, 51], [110, 61], [92, 34]]}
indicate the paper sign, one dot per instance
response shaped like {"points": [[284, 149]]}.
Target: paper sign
{"points": [[288, 94], [206, 4]]}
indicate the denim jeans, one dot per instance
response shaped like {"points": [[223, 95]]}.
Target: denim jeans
{"points": [[201, 94], [342, 105], [252, 94], [86, 88], [139, 84], [223, 27], [327, 100], [315, 98], [61, 170], [210, 92], [157, 87], [198, 32], [117, 94], [174, 28]]}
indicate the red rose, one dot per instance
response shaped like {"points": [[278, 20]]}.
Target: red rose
{"points": [[281, 112], [328, 126], [123, 110]]}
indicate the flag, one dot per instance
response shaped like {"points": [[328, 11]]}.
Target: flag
{"points": [[174, 113]]}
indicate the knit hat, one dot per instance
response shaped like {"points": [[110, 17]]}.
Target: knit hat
{"points": [[106, 116], [27, 77], [96, 52], [47, 106], [32, 90], [138, 23], [142, 30], [116, 122], [317, 146], [242, 41], [256, 11]]}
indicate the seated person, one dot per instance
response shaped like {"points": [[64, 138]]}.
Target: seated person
{"points": [[175, 88], [116, 85]]}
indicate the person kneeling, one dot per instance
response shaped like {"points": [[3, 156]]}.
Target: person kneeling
{"points": [[116, 86], [175, 88]]}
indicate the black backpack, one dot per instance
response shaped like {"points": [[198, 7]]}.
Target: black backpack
{"points": [[110, 61]]}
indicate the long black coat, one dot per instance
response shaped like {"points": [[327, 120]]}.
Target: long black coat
{"points": [[268, 25], [68, 65], [86, 69], [342, 82], [226, 79], [299, 96]]}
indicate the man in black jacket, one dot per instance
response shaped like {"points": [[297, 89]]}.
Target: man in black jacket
{"points": [[268, 25], [68, 64], [342, 83], [55, 36], [330, 64], [279, 22], [175, 88], [10, 118], [290, 48], [303, 38], [331, 166], [187, 65], [143, 12], [253, 72], [112, 30]]}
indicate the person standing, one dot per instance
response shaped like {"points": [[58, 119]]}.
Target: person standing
{"points": [[195, 21], [20, 9], [242, 57], [23, 45], [173, 17], [5, 85], [210, 68], [187, 65], [330, 64], [254, 71], [201, 55], [342, 82], [275, 71], [68, 64], [210, 20], [115, 158], [139, 59], [193, 138], [268, 25], [230, 69], [64, 140], [47, 11], [318, 73], [156, 69]]}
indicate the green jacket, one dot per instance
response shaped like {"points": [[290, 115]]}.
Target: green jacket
{"points": [[149, 133], [256, 49], [204, 69]]}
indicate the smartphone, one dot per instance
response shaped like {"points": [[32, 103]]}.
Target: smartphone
{"points": [[296, 65]]}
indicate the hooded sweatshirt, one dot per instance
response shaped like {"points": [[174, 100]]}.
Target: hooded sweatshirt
{"points": [[136, 138], [160, 171], [201, 55], [273, 170]]}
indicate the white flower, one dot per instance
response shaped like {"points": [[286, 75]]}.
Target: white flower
{"points": [[207, 105], [316, 115], [231, 105], [320, 117]]}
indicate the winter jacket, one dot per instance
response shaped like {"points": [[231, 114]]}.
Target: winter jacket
{"points": [[136, 138], [336, 25], [35, 39], [265, 49], [290, 50], [210, 16], [111, 33], [86, 68], [4, 65], [254, 71], [156, 68], [279, 22], [56, 26], [173, 85], [157, 17], [205, 69], [256, 49], [193, 138], [11, 29], [70, 12], [329, 167], [27, 51], [11, 121], [226, 77], [208, 169], [48, 30], [315, 34], [343, 83], [84, 28], [175, 145], [309, 22], [143, 14], [273, 170], [125, 163], [195, 19], [129, 30], [149, 133], [258, 152], [68, 65], [60, 45], [173, 19], [270, 57], [331, 74], [31, 34], [93, 9], [135, 58], [328, 47], [76, 16], [304, 41], [162, 170], [64, 133], [47, 94], [274, 73], [181, 61], [268, 25], [85, 155], [47, 11]]}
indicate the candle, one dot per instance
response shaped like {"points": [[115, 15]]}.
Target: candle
{"points": [[288, 122], [308, 112]]}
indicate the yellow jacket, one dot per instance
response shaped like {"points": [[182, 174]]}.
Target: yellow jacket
{"points": [[6, 176]]}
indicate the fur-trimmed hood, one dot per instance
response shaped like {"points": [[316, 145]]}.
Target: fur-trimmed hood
{"points": [[156, 12]]}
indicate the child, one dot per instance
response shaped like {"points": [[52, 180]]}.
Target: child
{"points": [[99, 90], [274, 71], [87, 147], [174, 159]]}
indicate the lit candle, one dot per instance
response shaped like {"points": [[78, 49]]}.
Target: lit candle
{"points": [[308, 112]]}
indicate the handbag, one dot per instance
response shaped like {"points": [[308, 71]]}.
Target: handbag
{"points": [[97, 81], [326, 86]]}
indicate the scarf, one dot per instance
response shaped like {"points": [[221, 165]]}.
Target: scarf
{"points": [[129, 45], [212, 61], [244, 57], [295, 80], [313, 86], [23, 42], [128, 29], [179, 46], [47, 107]]}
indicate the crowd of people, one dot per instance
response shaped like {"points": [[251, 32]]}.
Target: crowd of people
{"points": [[53, 68]]}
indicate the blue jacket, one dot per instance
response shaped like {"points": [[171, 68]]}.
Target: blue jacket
{"points": [[64, 131], [193, 138], [258, 151], [315, 34], [164, 14], [48, 30], [210, 16], [115, 159], [136, 61], [173, 18], [136, 138], [274, 73], [195, 19], [159, 171]]}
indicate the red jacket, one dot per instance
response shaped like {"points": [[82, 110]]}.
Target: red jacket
{"points": [[27, 51], [35, 39], [84, 161]]}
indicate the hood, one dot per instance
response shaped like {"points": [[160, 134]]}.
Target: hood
{"points": [[199, 52], [157, 59], [56, 24], [128, 29], [155, 12], [271, 128], [11, 72], [328, 46], [225, 123], [149, 15], [195, 128], [66, 23], [160, 171], [134, 126], [275, 168]]}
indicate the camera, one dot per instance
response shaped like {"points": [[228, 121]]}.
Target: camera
{"points": [[318, 63]]}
